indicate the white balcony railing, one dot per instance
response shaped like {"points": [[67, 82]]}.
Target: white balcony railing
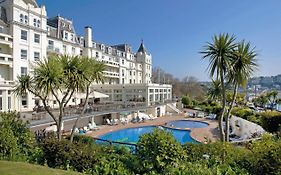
{"points": [[6, 59]]}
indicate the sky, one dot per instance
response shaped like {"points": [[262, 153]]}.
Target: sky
{"points": [[175, 31]]}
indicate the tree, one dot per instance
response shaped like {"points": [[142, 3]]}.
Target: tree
{"points": [[57, 77], [214, 91], [16, 140], [219, 53], [272, 98], [243, 64], [92, 72]]}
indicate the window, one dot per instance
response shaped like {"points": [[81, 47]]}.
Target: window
{"points": [[123, 61], [34, 22], [36, 38], [130, 72], [66, 35], [9, 103], [23, 70], [64, 48], [134, 73], [38, 23], [25, 19], [23, 54], [81, 52], [24, 35], [123, 72], [72, 37], [134, 81], [21, 18], [36, 56], [130, 81], [51, 44], [123, 81], [73, 50], [24, 101], [97, 54]]}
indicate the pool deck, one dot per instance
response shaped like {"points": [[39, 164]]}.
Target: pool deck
{"points": [[209, 133]]}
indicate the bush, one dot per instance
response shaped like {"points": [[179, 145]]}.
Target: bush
{"points": [[270, 120], [186, 100], [158, 149], [16, 140]]}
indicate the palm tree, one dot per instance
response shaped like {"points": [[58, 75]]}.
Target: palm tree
{"points": [[60, 77], [243, 65], [219, 53], [272, 97], [47, 80], [89, 71], [214, 92]]}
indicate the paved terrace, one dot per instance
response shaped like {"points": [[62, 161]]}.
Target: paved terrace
{"points": [[209, 133]]}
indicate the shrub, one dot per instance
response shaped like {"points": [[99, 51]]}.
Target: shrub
{"points": [[8, 144], [15, 133], [159, 149], [186, 100], [270, 120], [266, 156]]}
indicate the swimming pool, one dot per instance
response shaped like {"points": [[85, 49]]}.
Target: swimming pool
{"points": [[132, 135], [183, 124]]}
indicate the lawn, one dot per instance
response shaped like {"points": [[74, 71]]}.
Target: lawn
{"points": [[20, 168]]}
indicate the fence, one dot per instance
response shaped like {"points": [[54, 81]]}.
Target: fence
{"points": [[131, 146]]}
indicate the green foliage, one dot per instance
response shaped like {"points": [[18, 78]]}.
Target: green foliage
{"points": [[16, 141], [159, 149], [210, 107], [270, 120], [266, 157], [186, 100], [8, 144]]}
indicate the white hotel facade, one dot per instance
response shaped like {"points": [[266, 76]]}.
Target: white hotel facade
{"points": [[28, 35]]}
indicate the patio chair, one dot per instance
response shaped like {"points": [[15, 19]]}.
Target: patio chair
{"points": [[108, 122], [151, 117], [93, 126]]}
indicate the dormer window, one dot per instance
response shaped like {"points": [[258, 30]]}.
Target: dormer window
{"points": [[102, 47], [25, 19], [34, 22], [66, 35], [38, 23], [21, 18], [72, 37]]}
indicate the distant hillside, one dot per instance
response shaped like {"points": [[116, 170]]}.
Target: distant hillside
{"points": [[20, 168], [267, 81]]}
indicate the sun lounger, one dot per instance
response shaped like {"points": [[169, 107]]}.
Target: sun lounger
{"points": [[151, 117], [93, 126], [108, 122], [124, 121], [211, 116]]}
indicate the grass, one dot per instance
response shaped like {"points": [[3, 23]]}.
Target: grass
{"points": [[20, 168]]}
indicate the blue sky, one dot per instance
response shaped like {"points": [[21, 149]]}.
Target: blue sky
{"points": [[174, 31]]}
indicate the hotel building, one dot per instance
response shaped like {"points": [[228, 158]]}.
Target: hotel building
{"points": [[28, 35]]}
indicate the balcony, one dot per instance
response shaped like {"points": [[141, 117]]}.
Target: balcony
{"points": [[53, 49], [111, 74], [7, 83], [6, 59], [111, 63], [6, 39]]}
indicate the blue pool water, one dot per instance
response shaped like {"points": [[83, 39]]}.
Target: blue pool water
{"points": [[186, 124], [132, 135]]}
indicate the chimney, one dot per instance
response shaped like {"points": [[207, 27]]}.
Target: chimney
{"points": [[88, 37]]}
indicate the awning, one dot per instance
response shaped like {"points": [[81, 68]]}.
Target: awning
{"points": [[96, 94]]}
